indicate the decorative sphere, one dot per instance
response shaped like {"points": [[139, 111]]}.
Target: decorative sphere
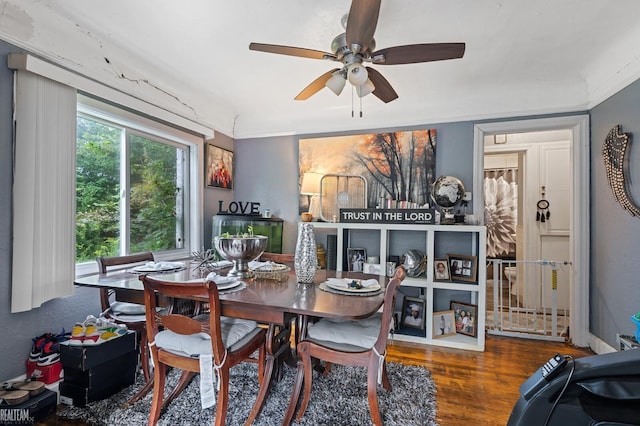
{"points": [[415, 263], [447, 191]]}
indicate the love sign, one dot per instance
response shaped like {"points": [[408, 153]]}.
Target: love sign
{"points": [[239, 207]]}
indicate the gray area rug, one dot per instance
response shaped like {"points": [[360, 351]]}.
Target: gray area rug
{"points": [[339, 399]]}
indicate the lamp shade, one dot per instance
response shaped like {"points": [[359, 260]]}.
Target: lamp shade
{"points": [[365, 88], [311, 183], [357, 74], [336, 83]]}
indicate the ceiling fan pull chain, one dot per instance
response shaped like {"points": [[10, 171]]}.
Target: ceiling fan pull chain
{"points": [[352, 113], [360, 107]]}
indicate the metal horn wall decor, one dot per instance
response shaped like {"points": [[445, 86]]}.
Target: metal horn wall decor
{"points": [[614, 151]]}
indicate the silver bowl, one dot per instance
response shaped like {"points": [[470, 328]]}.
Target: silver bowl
{"points": [[241, 250]]}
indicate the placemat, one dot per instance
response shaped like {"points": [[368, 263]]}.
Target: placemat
{"points": [[324, 287]]}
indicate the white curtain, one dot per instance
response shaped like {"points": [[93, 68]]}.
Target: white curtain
{"points": [[43, 191], [501, 210]]}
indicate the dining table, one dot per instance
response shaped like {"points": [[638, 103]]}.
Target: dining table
{"points": [[277, 303]]}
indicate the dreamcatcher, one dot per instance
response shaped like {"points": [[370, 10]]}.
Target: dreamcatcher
{"points": [[543, 214]]}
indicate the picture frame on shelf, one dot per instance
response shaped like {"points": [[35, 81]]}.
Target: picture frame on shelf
{"points": [[413, 312], [443, 324], [372, 268], [441, 270], [466, 318], [219, 167], [463, 268], [356, 259]]}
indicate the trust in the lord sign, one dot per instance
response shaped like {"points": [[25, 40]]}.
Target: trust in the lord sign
{"points": [[409, 216]]}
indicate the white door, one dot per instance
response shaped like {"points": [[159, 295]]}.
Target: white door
{"points": [[547, 222]]}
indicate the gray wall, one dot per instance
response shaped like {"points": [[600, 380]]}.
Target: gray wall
{"points": [[17, 330], [268, 169], [615, 234]]}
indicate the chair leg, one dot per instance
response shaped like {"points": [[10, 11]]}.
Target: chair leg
{"points": [[386, 384], [184, 380], [144, 355], [261, 364], [327, 369], [223, 398], [142, 392], [372, 395], [159, 374], [308, 379], [264, 379]]}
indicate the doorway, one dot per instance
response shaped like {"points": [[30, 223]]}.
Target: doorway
{"points": [[526, 178], [577, 199]]}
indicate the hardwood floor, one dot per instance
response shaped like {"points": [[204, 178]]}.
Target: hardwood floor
{"points": [[480, 388], [473, 388]]}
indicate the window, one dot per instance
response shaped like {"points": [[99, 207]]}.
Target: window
{"points": [[132, 186]]}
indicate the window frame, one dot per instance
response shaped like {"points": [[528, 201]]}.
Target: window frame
{"points": [[136, 124]]}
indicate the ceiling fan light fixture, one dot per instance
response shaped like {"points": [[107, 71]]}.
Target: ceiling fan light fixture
{"points": [[336, 83], [365, 88], [357, 74]]}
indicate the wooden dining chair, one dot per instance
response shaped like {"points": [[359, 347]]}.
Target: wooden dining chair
{"points": [[360, 343], [125, 312], [179, 341]]}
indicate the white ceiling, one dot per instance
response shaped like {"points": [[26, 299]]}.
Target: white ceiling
{"points": [[192, 58]]}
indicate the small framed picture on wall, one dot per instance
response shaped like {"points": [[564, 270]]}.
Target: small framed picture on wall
{"points": [[219, 167]]}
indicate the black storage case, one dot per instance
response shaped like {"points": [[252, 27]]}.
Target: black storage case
{"points": [[120, 369], [31, 411], [92, 373], [87, 357]]}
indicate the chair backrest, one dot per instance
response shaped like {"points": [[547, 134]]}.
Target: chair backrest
{"points": [[157, 320], [277, 257], [389, 307], [127, 260], [105, 262]]}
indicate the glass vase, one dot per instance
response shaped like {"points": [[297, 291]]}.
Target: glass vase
{"points": [[305, 260]]}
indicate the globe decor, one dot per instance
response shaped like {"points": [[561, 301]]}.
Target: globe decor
{"points": [[407, 216]]}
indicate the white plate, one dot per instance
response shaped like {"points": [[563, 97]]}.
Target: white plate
{"points": [[227, 284], [369, 289], [160, 267]]}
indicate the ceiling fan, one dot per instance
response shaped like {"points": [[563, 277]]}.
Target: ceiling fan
{"points": [[356, 46]]}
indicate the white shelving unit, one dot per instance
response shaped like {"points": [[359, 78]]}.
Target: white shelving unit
{"points": [[429, 287]]}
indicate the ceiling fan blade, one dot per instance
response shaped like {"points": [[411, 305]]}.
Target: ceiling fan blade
{"points": [[291, 51], [383, 90], [362, 22], [315, 86], [415, 53]]}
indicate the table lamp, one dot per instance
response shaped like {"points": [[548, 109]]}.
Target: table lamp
{"points": [[311, 188]]}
